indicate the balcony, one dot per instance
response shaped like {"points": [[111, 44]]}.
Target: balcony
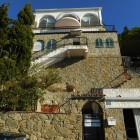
{"points": [[67, 29]]}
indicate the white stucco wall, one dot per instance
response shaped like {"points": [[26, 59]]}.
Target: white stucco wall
{"points": [[80, 12], [122, 98]]}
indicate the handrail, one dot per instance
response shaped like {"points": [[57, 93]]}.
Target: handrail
{"points": [[114, 79], [107, 27]]}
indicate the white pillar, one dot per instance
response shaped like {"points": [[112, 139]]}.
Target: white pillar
{"points": [[100, 16], [136, 113]]}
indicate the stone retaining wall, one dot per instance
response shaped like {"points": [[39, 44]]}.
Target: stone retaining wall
{"points": [[39, 126], [92, 72]]}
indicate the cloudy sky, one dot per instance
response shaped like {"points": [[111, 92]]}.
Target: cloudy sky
{"points": [[115, 12]]}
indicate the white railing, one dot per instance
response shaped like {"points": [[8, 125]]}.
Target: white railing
{"points": [[37, 31]]}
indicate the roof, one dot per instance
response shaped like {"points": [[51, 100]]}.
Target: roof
{"points": [[67, 9]]}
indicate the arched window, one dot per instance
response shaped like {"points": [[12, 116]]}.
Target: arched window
{"points": [[38, 46], [47, 21], [51, 45], [109, 42], [98, 43], [63, 15], [89, 20]]}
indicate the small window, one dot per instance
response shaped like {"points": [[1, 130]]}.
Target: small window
{"points": [[109, 43], [38, 46], [99, 43], [51, 45]]}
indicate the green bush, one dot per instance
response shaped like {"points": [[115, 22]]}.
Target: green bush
{"points": [[50, 76]]}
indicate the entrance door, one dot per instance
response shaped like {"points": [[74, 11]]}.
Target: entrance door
{"points": [[92, 122], [130, 125]]}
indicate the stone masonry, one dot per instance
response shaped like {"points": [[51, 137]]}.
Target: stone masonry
{"points": [[92, 72], [101, 66], [62, 39]]}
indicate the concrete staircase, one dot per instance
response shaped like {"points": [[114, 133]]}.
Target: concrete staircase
{"points": [[59, 54]]}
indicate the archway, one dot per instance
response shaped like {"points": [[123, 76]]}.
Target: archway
{"points": [[92, 121], [47, 21], [89, 20]]}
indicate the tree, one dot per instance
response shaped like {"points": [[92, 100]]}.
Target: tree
{"points": [[20, 94], [26, 17], [22, 44], [130, 42], [22, 39], [4, 30], [8, 70], [4, 20], [18, 90]]}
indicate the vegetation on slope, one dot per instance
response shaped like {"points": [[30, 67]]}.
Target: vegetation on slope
{"points": [[18, 90], [130, 42]]}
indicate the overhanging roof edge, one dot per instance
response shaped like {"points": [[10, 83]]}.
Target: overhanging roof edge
{"points": [[66, 9]]}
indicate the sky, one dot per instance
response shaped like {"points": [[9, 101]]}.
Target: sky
{"points": [[114, 12]]}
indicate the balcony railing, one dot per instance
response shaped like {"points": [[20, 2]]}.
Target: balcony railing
{"points": [[110, 27], [78, 41], [52, 27]]}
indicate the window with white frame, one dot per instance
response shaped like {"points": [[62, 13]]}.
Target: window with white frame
{"points": [[47, 21], [89, 20], [38, 46]]}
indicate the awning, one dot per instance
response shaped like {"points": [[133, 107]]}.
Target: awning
{"points": [[67, 22], [122, 98]]}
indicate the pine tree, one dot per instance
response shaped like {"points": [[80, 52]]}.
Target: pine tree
{"points": [[130, 42], [4, 22], [26, 16], [22, 37]]}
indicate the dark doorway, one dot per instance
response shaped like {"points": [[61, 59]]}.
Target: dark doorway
{"points": [[92, 122], [76, 41], [129, 122]]}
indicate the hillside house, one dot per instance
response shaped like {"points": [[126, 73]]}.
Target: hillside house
{"points": [[105, 102]]}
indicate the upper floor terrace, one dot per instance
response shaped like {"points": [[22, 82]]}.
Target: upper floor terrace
{"points": [[65, 20]]}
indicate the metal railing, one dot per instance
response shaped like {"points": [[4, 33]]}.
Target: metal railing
{"points": [[110, 27], [52, 26], [116, 82]]}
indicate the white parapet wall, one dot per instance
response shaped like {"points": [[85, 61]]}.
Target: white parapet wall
{"points": [[37, 31], [122, 98]]}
